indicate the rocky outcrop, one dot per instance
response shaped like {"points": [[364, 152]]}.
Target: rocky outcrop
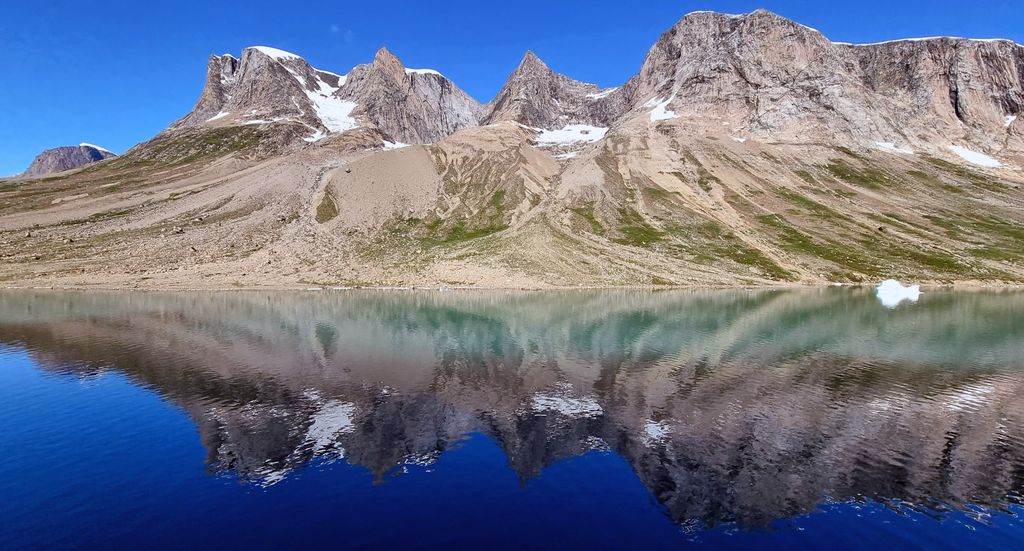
{"points": [[411, 105], [270, 86], [781, 81], [536, 96], [60, 159]]}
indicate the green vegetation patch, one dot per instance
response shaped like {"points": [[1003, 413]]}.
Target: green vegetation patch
{"points": [[587, 213], [865, 177], [635, 230], [327, 209]]}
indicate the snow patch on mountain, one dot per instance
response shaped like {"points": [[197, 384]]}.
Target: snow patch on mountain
{"points": [[96, 147], [602, 94], [1010, 120], [275, 54], [661, 111], [975, 157], [890, 147], [422, 72], [572, 133]]}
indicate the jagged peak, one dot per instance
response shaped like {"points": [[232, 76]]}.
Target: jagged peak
{"points": [[384, 55], [531, 62]]}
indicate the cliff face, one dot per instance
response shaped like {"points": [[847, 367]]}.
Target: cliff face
{"points": [[60, 159], [776, 79], [536, 96]]}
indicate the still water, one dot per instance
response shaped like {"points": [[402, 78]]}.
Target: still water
{"points": [[611, 420]]}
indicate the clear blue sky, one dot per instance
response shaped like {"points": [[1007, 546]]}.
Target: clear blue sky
{"points": [[114, 73]]}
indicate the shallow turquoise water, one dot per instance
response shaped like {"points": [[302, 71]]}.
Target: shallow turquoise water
{"points": [[817, 418]]}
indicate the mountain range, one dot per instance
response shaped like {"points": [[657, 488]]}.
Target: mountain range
{"points": [[748, 149]]}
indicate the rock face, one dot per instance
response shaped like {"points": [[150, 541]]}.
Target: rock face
{"points": [[269, 85], [60, 159], [780, 80], [536, 96], [411, 105]]}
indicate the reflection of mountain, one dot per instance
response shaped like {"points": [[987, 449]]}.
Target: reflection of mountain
{"points": [[731, 406]]}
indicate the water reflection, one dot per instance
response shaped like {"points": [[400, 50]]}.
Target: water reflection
{"points": [[739, 406]]}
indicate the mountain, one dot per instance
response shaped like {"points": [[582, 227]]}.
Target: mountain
{"points": [[536, 96], [271, 86], [64, 158], [747, 149], [778, 80]]}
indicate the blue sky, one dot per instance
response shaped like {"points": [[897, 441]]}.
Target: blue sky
{"points": [[115, 73]]}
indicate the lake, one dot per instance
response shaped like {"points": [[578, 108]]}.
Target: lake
{"points": [[816, 418]]}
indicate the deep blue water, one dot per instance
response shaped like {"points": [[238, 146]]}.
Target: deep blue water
{"points": [[608, 421]]}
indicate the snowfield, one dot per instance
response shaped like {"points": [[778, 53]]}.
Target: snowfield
{"points": [[975, 157], [572, 133], [892, 148], [661, 111]]}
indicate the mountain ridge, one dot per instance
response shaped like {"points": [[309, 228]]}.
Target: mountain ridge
{"points": [[747, 149]]}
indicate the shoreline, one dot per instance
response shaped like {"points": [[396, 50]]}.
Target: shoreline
{"points": [[966, 285]]}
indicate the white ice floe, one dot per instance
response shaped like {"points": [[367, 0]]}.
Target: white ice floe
{"points": [[572, 133], [891, 293], [422, 72], [561, 401], [661, 111], [893, 148], [603, 93], [1010, 120], [275, 54], [975, 157], [96, 147], [220, 115]]}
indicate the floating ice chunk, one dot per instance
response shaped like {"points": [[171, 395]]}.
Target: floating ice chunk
{"points": [[572, 133], [974, 157], [892, 148], [891, 293]]}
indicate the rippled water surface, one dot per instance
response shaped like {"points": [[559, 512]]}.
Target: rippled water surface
{"points": [[817, 418]]}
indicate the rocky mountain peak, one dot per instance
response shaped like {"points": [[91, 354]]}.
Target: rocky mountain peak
{"points": [[536, 96], [64, 158]]}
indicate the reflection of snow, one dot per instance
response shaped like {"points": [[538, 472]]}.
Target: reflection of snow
{"points": [[892, 292], [970, 398], [333, 418], [562, 402], [655, 432]]}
